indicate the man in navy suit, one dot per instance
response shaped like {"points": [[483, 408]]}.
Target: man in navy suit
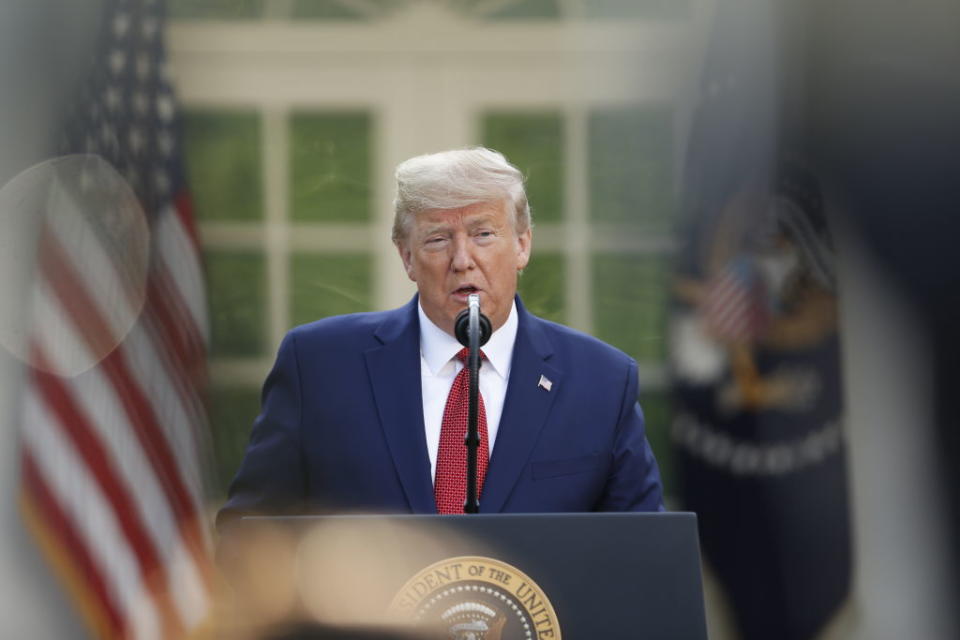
{"points": [[356, 414]]}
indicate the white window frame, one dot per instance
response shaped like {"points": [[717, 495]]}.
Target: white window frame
{"points": [[427, 76]]}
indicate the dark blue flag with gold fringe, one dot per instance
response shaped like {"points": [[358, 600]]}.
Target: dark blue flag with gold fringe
{"points": [[755, 360]]}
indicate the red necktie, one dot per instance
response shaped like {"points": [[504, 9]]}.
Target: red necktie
{"points": [[450, 485]]}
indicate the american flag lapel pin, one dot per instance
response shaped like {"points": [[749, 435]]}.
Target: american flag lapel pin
{"points": [[544, 383]]}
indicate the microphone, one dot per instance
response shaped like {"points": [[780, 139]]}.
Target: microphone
{"points": [[461, 326], [472, 329]]}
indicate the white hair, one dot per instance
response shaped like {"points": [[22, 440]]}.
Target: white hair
{"points": [[455, 179]]}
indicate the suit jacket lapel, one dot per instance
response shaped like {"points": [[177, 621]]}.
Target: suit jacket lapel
{"points": [[525, 411], [395, 376]]}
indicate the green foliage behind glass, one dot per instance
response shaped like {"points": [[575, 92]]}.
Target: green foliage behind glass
{"points": [[629, 304], [215, 9], [636, 9], [630, 166], [347, 10], [328, 285], [340, 10], [548, 9], [541, 286], [657, 413], [330, 160], [223, 164], [534, 143], [232, 410], [237, 296]]}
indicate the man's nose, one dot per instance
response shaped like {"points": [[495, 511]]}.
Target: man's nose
{"points": [[462, 255]]}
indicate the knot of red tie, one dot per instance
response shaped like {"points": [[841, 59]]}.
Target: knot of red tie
{"points": [[464, 353]]}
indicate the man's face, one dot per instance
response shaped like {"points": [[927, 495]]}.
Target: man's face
{"points": [[451, 253]]}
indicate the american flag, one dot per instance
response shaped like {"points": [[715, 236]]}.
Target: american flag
{"points": [[114, 433], [735, 307]]}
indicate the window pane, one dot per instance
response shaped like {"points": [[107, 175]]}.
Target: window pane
{"points": [[330, 166], [630, 304], [328, 285], [518, 9], [630, 166], [343, 9], [223, 164], [657, 413], [637, 9], [534, 143], [218, 9], [541, 286], [237, 296], [232, 411]]}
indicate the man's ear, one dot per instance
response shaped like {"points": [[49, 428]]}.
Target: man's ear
{"points": [[524, 245], [407, 257]]}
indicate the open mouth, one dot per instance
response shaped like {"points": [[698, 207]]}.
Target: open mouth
{"points": [[465, 290]]}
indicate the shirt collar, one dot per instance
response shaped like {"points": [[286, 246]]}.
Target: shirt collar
{"points": [[438, 347]]}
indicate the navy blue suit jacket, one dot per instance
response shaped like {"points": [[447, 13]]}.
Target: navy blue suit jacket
{"points": [[341, 427]]}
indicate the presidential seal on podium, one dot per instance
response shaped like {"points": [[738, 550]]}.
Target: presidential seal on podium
{"points": [[477, 598]]}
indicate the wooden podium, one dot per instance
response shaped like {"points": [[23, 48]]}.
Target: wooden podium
{"points": [[508, 577]]}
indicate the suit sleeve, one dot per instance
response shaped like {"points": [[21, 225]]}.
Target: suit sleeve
{"points": [[272, 476], [634, 481]]}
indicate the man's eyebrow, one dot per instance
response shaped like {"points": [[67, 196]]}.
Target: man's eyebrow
{"points": [[470, 223], [436, 228], [480, 220]]}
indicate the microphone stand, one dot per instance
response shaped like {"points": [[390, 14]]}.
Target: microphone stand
{"points": [[472, 329]]}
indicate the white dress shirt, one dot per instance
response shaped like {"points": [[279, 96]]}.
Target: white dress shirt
{"points": [[439, 367]]}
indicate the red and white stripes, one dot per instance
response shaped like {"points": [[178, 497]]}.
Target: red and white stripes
{"points": [[113, 424]]}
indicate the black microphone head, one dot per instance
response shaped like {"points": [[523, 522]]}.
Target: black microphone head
{"points": [[461, 328], [485, 329]]}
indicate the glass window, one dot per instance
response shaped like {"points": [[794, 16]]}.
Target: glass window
{"points": [[341, 9], [630, 166], [629, 292], [330, 167], [519, 9], [223, 164], [534, 143], [483, 9], [657, 413], [636, 9], [328, 285], [237, 295], [542, 285], [216, 9], [232, 410]]}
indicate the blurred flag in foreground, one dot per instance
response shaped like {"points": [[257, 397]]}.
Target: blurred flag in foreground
{"points": [[114, 439], [755, 351]]}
